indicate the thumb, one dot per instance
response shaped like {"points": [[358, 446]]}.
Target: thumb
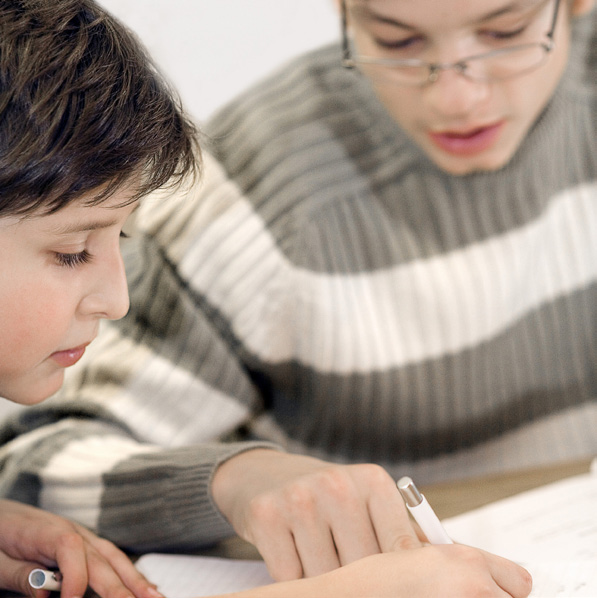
{"points": [[14, 576], [405, 540]]}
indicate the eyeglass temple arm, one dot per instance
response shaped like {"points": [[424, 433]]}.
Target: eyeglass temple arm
{"points": [[554, 19], [346, 58]]}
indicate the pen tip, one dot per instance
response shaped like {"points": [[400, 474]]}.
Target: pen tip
{"points": [[404, 482], [410, 493]]}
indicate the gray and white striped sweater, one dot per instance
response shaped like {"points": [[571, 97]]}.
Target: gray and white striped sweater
{"points": [[331, 291]]}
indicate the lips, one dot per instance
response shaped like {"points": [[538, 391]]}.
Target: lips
{"points": [[468, 142], [68, 357]]}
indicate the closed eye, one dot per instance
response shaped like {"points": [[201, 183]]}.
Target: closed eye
{"points": [[72, 260], [504, 35], [398, 44]]}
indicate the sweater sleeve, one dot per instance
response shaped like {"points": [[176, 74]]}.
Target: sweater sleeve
{"points": [[130, 445], [140, 496]]}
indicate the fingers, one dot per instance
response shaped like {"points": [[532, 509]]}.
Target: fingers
{"points": [[120, 563], [389, 517], [447, 571], [473, 572], [82, 565], [14, 576], [512, 578], [306, 516], [372, 517], [291, 536], [331, 517], [477, 569], [338, 516], [316, 549], [86, 559], [70, 556], [302, 520], [353, 537], [278, 549], [104, 580], [33, 538]]}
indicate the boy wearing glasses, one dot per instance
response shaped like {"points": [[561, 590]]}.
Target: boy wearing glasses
{"points": [[467, 94], [395, 265]]}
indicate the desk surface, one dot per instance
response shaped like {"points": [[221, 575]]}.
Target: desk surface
{"points": [[452, 498]]}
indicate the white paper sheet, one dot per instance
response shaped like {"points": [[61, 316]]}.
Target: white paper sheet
{"points": [[551, 530], [568, 579], [181, 576]]}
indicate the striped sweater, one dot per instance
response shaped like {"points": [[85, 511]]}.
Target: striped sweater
{"points": [[328, 289]]}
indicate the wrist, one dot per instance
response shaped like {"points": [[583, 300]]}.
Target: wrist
{"points": [[230, 477]]}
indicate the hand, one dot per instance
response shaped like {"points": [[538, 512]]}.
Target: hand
{"points": [[31, 538], [449, 571], [306, 516]]}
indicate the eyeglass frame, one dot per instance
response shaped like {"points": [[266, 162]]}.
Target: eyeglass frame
{"points": [[435, 68]]}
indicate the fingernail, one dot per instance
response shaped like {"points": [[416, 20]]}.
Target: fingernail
{"points": [[154, 593]]}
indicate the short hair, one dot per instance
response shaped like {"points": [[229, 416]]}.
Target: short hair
{"points": [[83, 110]]}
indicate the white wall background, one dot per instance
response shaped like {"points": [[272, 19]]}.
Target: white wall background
{"points": [[213, 49]]}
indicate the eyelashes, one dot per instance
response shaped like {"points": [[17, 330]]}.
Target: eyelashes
{"points": [[505, 35], [72, 260], [414, 43]]}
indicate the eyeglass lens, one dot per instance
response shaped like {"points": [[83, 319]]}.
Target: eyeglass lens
{"points": [[509, 61]]}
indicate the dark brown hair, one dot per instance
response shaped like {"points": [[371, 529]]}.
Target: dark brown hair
{"points": [[82, 109]]}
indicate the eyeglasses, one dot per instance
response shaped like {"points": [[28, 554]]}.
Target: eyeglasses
{"points": [[504, 63]]}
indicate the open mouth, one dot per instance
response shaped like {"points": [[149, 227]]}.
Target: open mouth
{"points": [[467, 142]]}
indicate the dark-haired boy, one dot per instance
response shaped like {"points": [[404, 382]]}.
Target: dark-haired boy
{"points": [[87, 128]]}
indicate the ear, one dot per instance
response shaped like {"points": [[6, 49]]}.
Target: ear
{"points": [[581, 7]]}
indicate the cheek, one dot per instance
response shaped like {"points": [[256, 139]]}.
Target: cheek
{"points": [[403, 104], [534, 91], [33, 321]]}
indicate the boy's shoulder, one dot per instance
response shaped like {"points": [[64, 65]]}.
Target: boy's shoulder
{"points": [[583, 55], [312, 88]]}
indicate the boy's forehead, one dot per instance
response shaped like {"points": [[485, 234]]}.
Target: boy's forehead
{"points": [[79, 216], [73, 226], [472, 10], [447, 4]]}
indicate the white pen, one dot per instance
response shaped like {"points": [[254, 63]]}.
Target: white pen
{"points": [[422, 512], [41, 579]]}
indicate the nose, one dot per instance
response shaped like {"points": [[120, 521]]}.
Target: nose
{"points": [[108, 295], [452, 95]]}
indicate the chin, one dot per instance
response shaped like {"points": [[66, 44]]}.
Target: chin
{"points": [[490, 160], [463, 167], [38, 391]]}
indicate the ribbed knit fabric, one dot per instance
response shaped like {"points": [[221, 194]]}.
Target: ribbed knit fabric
{"points": [[330, 290]]}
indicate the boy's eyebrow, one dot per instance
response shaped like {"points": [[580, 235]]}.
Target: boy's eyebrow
{"points": [[362, 8], [83, 227], [516, 5]]}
